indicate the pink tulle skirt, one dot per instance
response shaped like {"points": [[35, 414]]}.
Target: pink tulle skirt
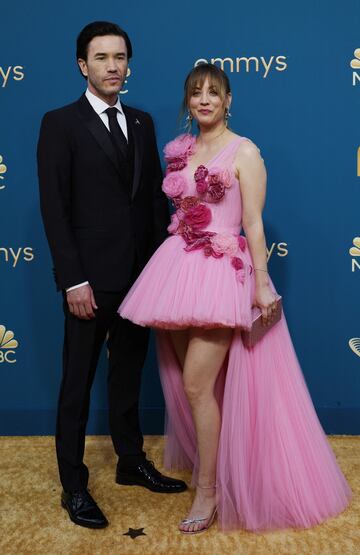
{"points": [[179, 289], [275, 467]]}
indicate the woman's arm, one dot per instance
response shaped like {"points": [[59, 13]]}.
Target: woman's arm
{"points": [[251, 173]]}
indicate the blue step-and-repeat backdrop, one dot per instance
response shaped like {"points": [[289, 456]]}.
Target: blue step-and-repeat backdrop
{"points": [[295, 74]]}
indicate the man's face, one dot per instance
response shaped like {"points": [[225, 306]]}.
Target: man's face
{"points": [[106, 66]]}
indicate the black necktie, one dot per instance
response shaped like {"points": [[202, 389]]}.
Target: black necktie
{"points": [[117, 135]]}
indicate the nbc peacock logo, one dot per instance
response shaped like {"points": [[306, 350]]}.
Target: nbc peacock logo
{"points": [[354, 251], [7, 345], [354, 345], [3, 169], [355, 65]]}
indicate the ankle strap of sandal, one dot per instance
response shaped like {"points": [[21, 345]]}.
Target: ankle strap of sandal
{"points": [[206, 487]]}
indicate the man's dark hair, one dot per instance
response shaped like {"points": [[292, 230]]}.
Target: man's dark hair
{"points": [[99, 29]]}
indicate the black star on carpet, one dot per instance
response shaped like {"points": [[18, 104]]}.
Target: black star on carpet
{"points": [[135, 532]]}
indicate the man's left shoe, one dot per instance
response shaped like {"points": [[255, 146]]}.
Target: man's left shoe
{"points": [[145, 474], [83, 509]]}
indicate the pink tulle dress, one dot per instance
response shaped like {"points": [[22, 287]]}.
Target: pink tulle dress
{"points": [[275, 468]]}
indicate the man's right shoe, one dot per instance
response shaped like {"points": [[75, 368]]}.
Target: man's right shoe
{"points": [[82, 509], [145, 474]]}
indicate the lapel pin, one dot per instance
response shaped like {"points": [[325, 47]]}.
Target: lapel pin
{"points": [[137, 122]]}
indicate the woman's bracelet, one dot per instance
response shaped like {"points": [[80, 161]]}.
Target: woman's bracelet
{"points": [[260, 270]]}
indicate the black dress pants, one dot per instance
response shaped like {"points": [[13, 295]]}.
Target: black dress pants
{"points": [[127, 345]]}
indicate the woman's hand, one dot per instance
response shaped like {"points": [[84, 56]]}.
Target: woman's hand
{"points": [[266, 301]]}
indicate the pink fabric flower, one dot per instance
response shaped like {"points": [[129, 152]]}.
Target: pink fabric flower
{"points": [[188, 234], [201, 173], [239, 266], [242, 242], [175, 165], [224, 244], [201, 187], [226, 178], [215, 175], [208, 250], [173, 185], [174, 224], [198, 217], [237, 263], [216, 190], [183, 228], [189, 202], [220, 175], [196, 243], [196, 240], [181, 147]]}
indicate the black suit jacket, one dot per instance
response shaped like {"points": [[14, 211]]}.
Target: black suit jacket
{"points": [[94, 224]]}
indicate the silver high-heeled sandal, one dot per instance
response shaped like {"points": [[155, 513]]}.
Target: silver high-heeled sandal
{"points": [[200, 519]]}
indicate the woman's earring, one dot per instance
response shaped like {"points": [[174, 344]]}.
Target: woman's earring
{"points": [[189, 120], [227, 115]]}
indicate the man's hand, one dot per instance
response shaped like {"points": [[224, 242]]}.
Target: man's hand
{"points": [[81, 302]]}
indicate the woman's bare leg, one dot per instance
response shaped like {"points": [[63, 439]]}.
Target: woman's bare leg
{"points": [[205, 355], [180, 340]]}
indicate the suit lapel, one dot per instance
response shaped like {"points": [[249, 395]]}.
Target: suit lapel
{"points": [[98, 130], [135, 126]]}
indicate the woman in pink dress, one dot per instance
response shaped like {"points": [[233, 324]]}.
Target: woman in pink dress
{"points": [[241, 419]]}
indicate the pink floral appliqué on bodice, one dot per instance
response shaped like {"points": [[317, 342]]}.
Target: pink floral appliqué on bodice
{"points": [[207, 200]]}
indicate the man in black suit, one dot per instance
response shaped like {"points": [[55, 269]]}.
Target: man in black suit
{"points": [[104, 214]]}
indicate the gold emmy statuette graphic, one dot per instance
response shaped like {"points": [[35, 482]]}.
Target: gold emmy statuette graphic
{"points": [[354, 345], [7, 345], [355, 62], [3, 169]]}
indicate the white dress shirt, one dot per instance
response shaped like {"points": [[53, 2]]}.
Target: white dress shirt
{"points": [[100, 106]]}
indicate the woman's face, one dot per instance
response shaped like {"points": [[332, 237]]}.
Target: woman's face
{"points": [[206, 106]]}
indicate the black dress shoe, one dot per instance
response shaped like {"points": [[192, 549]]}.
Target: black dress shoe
{"points": [[145, 474], [82, 509]]}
